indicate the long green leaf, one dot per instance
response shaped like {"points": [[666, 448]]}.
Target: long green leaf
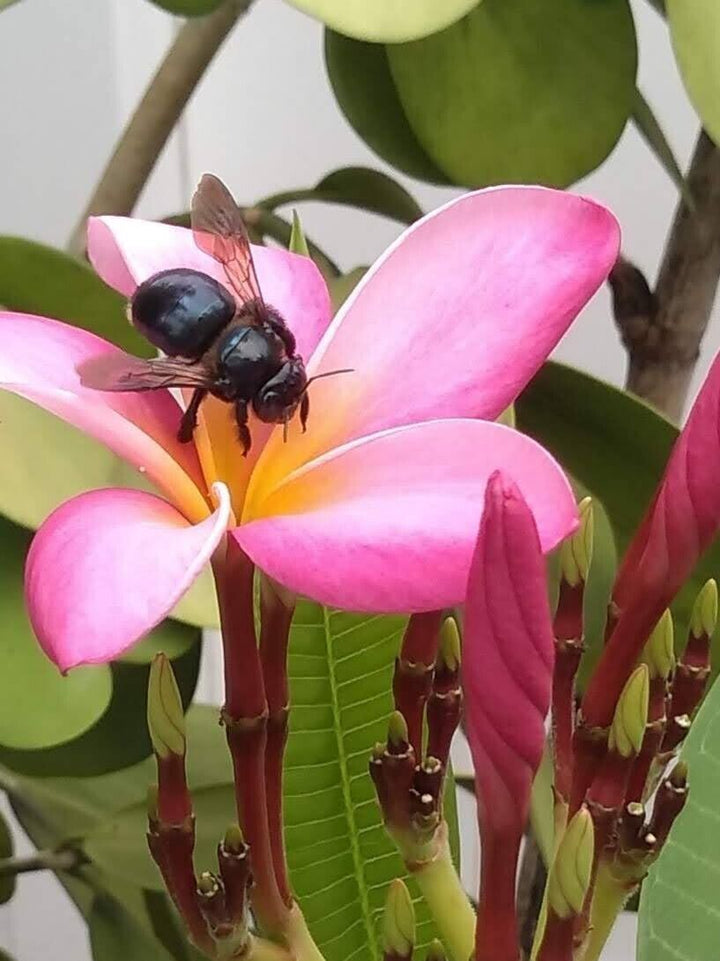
{"points": [[694, 28], [115, 935], [679, 918], [359, 187], [8, 882], [386, 21], [653, 134]]}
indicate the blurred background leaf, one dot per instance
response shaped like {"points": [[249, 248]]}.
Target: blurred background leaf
{"points": [[695, 28], [189, 8], [386, 21], [7, 882], [647, 123], [359, 187]]}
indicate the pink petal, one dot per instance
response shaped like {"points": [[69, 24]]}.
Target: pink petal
{"points": [[38, 361], [457, 315], [107, 566], [508, 656], [682, 521], [125, 251], [388, 523]]}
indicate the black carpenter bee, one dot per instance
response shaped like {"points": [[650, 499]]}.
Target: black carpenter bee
{"points": [[233, 346]]}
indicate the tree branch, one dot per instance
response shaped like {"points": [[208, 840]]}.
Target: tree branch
{"points": [[662, 331], [63, 860], [157, 114]]}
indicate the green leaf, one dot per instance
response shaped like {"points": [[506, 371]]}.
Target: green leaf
{"points": [[115, 935], [360, 77], [647, 123], [189, 8], [694, 28], [386, 21], [298, 243], [119, 738], [542, 800], [4, 4], [679, 918], [38, 706], [36, 279], [340, 857], [8, 882], [494, 98], [356, 187], [617, 447]]}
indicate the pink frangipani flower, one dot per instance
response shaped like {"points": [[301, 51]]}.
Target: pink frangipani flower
{"points": [[680, 524], [508, 654], [375, 507]]}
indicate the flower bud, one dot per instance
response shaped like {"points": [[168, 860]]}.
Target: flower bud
{"points": [[628, 726], [705, 610], [398, 922], [572, 868], [449, 652], [165, 715], [435, 951], [298, 243], [576, 551], [659, 650], [234, 841], [397, 733]]}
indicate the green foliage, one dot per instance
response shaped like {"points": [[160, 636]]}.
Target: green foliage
{"points": [[343, 286], [37, 279], [189, 8], [617, 447], [679, 918], [694, 27], [359, 187], [115, 935], [119, 738], [298, 243], [386, 21], [361, 81], [8, 881], [654, 135], [38, 706], [495, 98]]}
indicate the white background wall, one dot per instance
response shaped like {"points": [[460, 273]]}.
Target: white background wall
{"points": [[264, 119]]}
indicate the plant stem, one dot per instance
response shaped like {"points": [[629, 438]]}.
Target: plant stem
{"points": [[449, 905], [413, 672], [663, 336], [245, 716], [608, 899], [157, 114], [497, 927], [64, 860]]}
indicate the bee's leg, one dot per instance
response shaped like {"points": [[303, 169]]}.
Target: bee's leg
{"points": [[304, 411], [189, 417], [241, 415]]}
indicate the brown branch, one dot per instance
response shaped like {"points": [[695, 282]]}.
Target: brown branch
{"points": [[662, 331], [157, 114]]}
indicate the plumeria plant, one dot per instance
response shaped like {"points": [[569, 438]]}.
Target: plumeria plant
{"points": [[433, 553]]}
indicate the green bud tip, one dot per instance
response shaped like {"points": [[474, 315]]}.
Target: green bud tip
{"points": [[397, 729], [165, 716], [152, 802], [449, 652], [705, 610], [576, 551], [398, 921], [378, 751], [628, 725], [659, 650], [298, 243], [234, 840], [679, 775], [570, 872], [435, 951]]}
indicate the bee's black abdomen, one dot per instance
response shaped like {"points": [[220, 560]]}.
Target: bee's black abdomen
{"points": [[181, 311]]}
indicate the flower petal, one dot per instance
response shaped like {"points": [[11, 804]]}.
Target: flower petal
{"points": [[388, 523], [107, 566], [125, 251], [456, 316], [508, 657], [38, 361], [681, 522]]}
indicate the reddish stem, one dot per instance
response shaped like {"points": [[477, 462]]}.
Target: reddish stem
{"points": [[652, 740], [245, 716], [275, 621], [589, 746], [413, 671], [567, 661], [497, 930], [557, 942], [172, 849]]}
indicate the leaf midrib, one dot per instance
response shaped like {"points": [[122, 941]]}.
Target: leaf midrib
{"points": [[353, 831]]}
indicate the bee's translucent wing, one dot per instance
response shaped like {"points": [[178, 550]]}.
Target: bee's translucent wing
{"points": [[219, 231], [123, 372]]}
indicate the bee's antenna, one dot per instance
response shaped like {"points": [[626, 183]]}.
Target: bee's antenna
{"points": [[329, 373]]}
